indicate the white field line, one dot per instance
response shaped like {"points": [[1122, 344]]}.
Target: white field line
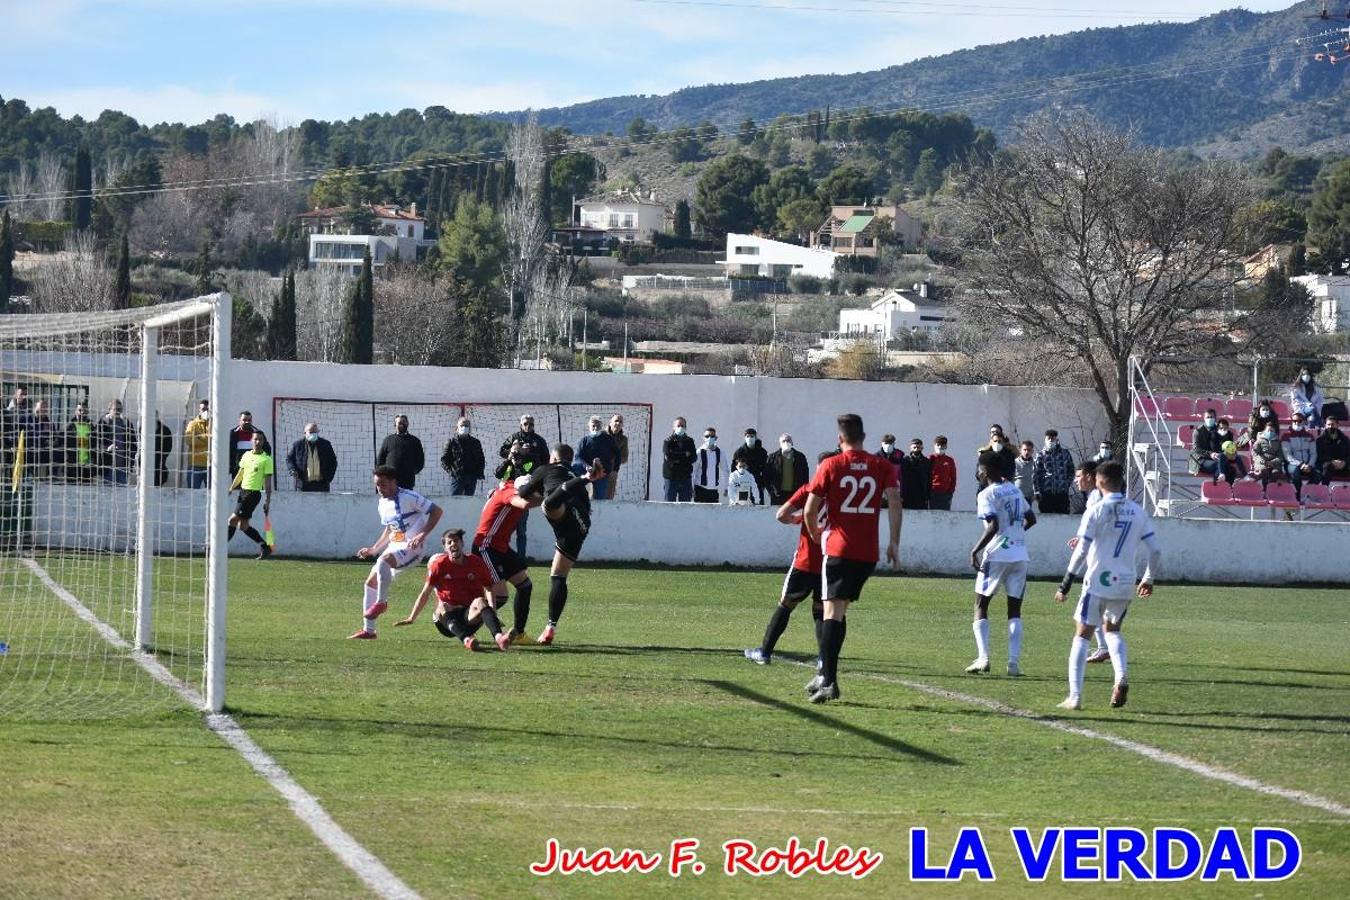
{"points": [[1165, 757], [364, 864]]}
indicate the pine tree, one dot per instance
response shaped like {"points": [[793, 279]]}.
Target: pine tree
{"points": [[281, 337], [122, 287], [204, 270], [6, 261], [82, 205]]}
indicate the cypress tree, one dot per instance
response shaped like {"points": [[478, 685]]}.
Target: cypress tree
{"points": [[82, 205], [358, 320], [6, 261], [122, 289], [204, 270], [281, 338]]}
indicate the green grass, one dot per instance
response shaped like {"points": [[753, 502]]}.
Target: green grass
{"points": [[644, 724]]}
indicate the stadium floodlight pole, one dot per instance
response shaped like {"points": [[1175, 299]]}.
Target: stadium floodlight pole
{"points": [[217, 558], [145, 537]]}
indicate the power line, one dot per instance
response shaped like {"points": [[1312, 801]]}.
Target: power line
{"points": [[921, 8]]}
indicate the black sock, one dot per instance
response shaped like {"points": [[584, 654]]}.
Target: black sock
{"points": [[778, 623], [557, 598], [253, 534], [490, 619], [453, 627], [520, 606], [831, 642], [231, 533], [819, 615]]}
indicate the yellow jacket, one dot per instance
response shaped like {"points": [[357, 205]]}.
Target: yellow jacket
{"points": [[197, 436]]}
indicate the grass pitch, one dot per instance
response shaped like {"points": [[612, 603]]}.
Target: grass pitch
{"points": [[644, 724]]}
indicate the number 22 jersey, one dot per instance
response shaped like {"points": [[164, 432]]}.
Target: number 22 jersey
{"points": [[852, 485]]}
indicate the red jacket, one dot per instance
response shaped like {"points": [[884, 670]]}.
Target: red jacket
{"points": [[944, 474]]}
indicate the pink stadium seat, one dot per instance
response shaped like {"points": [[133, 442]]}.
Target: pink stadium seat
{"points": [[1185, 434], [1248, 493], [1279, 408], [1238, 410], [1317, 496], [1146, 406], [1216, 493], [1204, 403], [1340, 493], [1179, 408], [1281, 495]]}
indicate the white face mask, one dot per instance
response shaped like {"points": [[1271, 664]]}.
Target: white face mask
{"points": [[1209, 421], [1297, 426], [785, 446], [1051, 444], [1265, 410], [464, 429], [996, 446], [595, 432], [887, 448], [751, 441], [1223, 431], [679, 429], [1305, 378], [1104, 452], [710, 441], [940, 451]]}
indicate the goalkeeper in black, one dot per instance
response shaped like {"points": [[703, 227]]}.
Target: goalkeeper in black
{"points": [[567, 506]]}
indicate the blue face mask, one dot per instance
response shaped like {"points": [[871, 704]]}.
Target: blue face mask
{"points": [[312, 438]]}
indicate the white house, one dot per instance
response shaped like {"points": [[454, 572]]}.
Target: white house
{"points": [[893, 314], [347, 251], [625, 215], [748, 255], [1332, 295], [391, 219]]}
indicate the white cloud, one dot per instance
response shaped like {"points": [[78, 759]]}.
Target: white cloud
{"points": [[167, 103]]}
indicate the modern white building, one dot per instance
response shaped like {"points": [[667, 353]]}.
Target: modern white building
{"points": [[1332, 296], [893, 314], [748, 255], [625, 215], [391, 219], [347, 251]]}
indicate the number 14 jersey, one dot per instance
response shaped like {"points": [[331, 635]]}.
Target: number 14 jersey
{"points": [[852, 485]]}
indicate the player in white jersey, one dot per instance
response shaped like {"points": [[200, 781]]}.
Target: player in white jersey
{"points": [[1000, 560], [408, 518], [1108, 541], [1092, 495]]}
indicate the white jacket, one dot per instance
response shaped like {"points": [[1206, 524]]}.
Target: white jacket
{"points": [[742, 482], [709, 470]]}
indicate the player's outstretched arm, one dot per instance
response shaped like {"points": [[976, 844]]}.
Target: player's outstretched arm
{"points": [[418, 604], [374, 549], [789, 514], [895, 515]]}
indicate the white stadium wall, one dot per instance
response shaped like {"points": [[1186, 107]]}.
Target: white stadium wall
{"points": [[805, 408]]}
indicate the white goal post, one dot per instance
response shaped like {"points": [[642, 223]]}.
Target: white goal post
{"points": [[112, 509]]}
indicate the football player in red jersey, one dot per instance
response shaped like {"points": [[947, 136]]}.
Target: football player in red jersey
{"points": [[803, 577], [492, 543], [850, 487], [463, 587]]}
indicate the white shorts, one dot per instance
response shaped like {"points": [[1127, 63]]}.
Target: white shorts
{"points": [[1093, 610], [404, 556], [1012, 576]]}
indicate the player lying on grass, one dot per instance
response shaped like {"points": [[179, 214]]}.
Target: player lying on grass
{"points": [[1108, 541], [408, 518], [1000, 560], [803, 576], [463, 586], [492, 543], [568, 509]]}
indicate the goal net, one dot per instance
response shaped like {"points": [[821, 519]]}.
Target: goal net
{"points": [[108, 579], [357, 429]]}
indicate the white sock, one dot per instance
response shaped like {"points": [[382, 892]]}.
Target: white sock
{"points": [[383, 575], [1100, 637], [369, 598], [1115, 642], [1078, 653], [981, 629], [1014, 640]]}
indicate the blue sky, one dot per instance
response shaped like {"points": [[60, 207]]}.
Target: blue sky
{"points": [[178, 60]]}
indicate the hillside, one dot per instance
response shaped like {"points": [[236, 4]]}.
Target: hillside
{"points": [[1219, 80]]}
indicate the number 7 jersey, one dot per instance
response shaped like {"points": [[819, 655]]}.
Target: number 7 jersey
{"points": [[852, 485], [1109, 535]]}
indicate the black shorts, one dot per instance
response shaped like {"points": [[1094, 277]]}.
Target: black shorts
{"points": [[248, 501], [569, 533], [844, 578], [505, 564], [801, 584]]}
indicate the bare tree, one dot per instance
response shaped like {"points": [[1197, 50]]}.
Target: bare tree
{"points": [[319, 296], [1094, 249], [78, 279], [528, 275], [20, 186], [413, 316], [50, 177]]}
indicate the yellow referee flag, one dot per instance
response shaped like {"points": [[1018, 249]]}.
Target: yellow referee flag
{"points": [[16, 477]]}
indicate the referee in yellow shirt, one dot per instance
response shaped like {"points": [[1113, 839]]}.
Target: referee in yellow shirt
{"points": [[254, 481]]}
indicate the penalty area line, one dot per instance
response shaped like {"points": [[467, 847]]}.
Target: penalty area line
{"points": [[306, 807], [1166, 757]]}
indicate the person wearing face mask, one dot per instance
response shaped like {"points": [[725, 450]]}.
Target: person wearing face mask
{"points": [[1104, 452], [312, 462], [755, 456], [463, 460], [402, 451], [597, 444], [891, 453], [241, 440], [1269, 462], [1300, 452], [117, 444], [916, 477], [197, 442], [616, 434], [1024, 471], [942, 481], [1207, 448], [80, 457], [998, 451], [677, 466], [785, 470], [1234, 465], [1052, 476], [533, 446], [1333, 452], [1263, 417], [1306, 397], [163, 448], [710, 473]]}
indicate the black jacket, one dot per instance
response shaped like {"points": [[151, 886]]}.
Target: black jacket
{"points": [[463, 457], [773, 474], [916, 478], [404, 453], [297, 461], [756, 458], [535, 446], [115, 441], [1332, 445], [678, 454]]}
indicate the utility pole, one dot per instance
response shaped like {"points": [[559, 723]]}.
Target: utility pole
{"points": [[585, 316]]}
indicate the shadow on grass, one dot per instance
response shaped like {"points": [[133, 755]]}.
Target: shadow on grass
{"points": [[885, 741]]}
